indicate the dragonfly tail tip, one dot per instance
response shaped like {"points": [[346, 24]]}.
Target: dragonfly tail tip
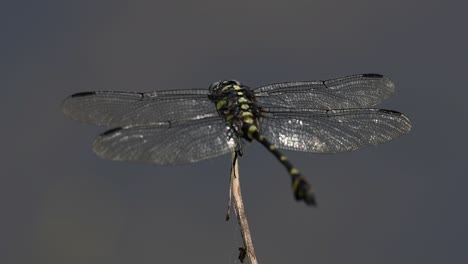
{"points": [[310, 200]]}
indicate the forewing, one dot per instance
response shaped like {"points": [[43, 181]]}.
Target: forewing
{"points": [[165, 142], [115, 109], [356, 91], [329, 131]]}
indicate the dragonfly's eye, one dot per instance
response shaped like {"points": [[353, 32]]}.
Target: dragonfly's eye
{"points": [[218, 85], [231, 82], [214, 86]]}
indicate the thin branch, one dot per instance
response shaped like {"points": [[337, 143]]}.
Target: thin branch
{"points": [[248, 249]]}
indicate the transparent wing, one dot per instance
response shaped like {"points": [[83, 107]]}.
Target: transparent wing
{"points": [[165, 142], [114, 109], [329, 131], [356, 91]]}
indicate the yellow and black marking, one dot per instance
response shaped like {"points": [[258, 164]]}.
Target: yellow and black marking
{"points": [[236, 104], [301, 188]]}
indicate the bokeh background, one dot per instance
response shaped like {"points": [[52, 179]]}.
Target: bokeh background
{"points": [[401, 202]]}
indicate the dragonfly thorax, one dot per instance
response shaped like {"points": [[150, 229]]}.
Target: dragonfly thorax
{"points": [[236, 103]]}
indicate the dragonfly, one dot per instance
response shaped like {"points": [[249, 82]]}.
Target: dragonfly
{"points": [[173, 127]]}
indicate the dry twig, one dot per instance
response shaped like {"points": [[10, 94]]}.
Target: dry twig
{"points": [[248, 249]]}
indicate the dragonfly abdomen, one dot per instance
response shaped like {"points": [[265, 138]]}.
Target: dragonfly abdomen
{"points": [[302, 189]]}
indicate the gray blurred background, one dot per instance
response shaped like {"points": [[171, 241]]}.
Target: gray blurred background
{"points": [[401, 202]]}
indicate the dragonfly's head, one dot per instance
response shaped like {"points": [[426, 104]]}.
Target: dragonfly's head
{"points": [[221, 86]]}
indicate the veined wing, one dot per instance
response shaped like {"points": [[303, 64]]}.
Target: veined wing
{"points": [[355, 91], [114, 109], [166, 142], [329, 131]]}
